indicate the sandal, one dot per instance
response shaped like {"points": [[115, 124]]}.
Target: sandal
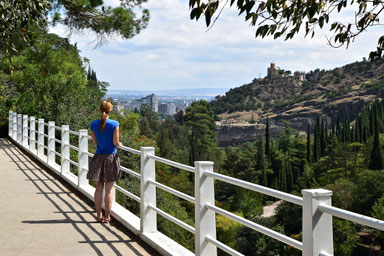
{"points": [[100, 219], [106, 220]]}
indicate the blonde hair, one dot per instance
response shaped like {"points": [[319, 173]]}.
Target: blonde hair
{"points": [[105, 109]]}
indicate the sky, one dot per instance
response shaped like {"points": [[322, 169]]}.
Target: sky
{"points": [[174, 52]]}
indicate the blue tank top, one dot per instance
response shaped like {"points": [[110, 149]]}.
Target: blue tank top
{"points": [[105, 138]]}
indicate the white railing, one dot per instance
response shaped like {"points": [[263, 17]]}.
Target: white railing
{"points": [[317, 209]]}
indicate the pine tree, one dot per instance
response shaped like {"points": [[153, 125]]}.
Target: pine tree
{"points": [[376, 159], [308, 144], [267, 140]]}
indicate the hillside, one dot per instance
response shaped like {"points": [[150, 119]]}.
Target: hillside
{"points": [[339, 92]]}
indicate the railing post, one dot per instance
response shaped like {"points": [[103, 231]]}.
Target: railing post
{"points": [[317, 226], [205, 220], [32, 133], [19, 129], [65, 164], [10, 123], [25, 131], [14, 133], [83, 158], [51, 143], [40, 138], [148, 217]]}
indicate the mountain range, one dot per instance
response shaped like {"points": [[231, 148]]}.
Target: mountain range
{"points": [[196, 92]]}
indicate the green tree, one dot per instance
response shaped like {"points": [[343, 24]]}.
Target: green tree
{"points": [[260, 164], [376, 158], [202, 137], [308, 144], [105, 21], [17, 22], [49, 81], [267, 139], [285, 19]]}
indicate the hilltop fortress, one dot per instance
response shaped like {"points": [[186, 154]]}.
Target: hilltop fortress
{"points": [[274, 72]]}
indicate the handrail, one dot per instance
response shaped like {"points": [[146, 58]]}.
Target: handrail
{"points": [[73, 132], [131, 150], [129, 171], [172, 163], [173, 191], [355, 217], [257, 188], [266, 231], [72, 162], [223, 247], [325, 254], [57, 153], [316, 203], [88, 153], [173, 219], [58, 141], [72, 147], [127, 193]]}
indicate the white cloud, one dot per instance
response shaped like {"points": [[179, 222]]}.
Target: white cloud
{"points": [[176, 52]]}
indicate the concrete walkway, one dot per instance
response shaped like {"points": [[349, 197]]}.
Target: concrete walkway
{"points": [[41, 216]]}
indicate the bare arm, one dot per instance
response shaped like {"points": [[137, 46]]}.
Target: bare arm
{"points": [[94, 140], [116, 137]]}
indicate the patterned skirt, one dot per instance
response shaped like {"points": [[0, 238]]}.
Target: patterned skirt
{"points": [[104, 167]]}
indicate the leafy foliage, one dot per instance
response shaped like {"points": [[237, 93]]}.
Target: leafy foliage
{"points": [[49, 81], [279, 18], [105, 21]]}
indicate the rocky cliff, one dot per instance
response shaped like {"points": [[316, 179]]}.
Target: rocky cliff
{"points": [[341, 92]]}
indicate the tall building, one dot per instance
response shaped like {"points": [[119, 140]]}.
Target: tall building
{"points": [[172, 109], [150, 100], [163, 108]]}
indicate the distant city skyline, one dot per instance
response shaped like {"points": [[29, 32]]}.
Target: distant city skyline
{"points": [[175, 52]]}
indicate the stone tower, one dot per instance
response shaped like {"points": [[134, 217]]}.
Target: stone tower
{"points": [[272, 71]]}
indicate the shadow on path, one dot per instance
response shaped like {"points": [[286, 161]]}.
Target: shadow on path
{"points": [[46, 183]]}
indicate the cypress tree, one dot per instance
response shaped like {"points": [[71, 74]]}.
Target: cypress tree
{"points": [[338, 132], [316, 141], [371, 117], [267, 140], [289, 177], [365, 134], [308, 144], [283, 176], [356, 138], [346, 129], [360, 130], [261, 161], [376, 159], [322, 139], [326, 133]]}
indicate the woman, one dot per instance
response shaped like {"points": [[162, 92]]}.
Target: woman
{"points": [[105, 165]]}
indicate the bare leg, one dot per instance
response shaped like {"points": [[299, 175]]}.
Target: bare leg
{"points": [[108, 198], [99, 198]]}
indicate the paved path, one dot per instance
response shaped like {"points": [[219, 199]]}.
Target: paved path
{"points": [[41, 216]]}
